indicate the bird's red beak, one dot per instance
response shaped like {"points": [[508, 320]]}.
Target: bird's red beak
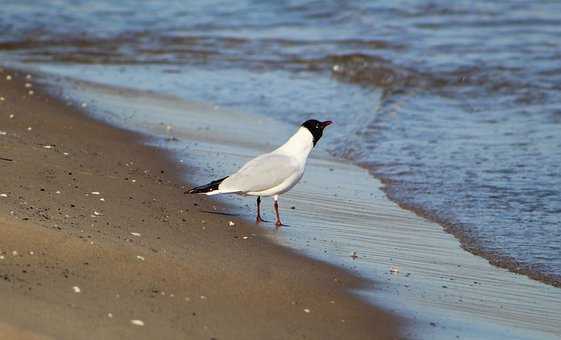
{"points": [[326, 123]]}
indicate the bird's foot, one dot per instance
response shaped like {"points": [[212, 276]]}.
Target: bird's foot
{"points": [[279, 224], [258, 220]]}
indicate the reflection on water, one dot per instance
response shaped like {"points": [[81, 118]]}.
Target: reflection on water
{"points": [[467, 128]]}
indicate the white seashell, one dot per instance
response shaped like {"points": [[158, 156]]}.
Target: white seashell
{"points": [[137, 322]]}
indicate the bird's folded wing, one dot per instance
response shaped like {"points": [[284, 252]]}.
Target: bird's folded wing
{"points": [[261, 173]]}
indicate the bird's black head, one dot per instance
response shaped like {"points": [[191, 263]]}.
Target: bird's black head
{"points": [[316, 128]]}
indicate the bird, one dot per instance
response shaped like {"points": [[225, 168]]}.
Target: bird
{"points": [[273, 173]]}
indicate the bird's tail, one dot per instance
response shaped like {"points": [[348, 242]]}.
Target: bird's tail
{"points": [[207, 188]]}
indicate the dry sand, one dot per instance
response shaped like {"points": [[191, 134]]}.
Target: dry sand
{"points": [[76, 264]]}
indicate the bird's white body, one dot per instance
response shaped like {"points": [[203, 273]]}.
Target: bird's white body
{"points": [[273, 173]]}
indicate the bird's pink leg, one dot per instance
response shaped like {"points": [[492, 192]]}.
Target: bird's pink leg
{"points": [[278, 223], [258, 219]]}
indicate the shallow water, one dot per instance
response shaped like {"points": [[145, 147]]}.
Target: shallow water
{"points": [[455, 105]]}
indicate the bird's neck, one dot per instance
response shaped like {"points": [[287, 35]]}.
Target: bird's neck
{"points": [[299, 145]]}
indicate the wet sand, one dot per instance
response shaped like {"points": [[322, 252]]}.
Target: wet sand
{"points": [[99, 241]]}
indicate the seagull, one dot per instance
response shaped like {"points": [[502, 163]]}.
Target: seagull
{"points": [[270, 174]]}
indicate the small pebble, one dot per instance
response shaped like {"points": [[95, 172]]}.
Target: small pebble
{"points": [[8, 77], [95, 192], [141, 258], [31, 92], [46, 146], [135, 234], [12, 116], [3, 133], [110, 315], [29, 128], [306, 310], [76, 289], [3, 195], [231, 224]]}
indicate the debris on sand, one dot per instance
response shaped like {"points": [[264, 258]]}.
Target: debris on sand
{"points": [[394, 270], [136, 234], [45, 146], [231, 224], [137, 322], [4, 195], [306, 310], [76, 289], [354, 256], [141, 258], [95, 193]]}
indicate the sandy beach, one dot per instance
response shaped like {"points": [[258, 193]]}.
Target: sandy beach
{"points": [[99, 242]]}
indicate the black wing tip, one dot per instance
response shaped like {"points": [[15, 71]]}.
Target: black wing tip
{"points": [[203, 189]]}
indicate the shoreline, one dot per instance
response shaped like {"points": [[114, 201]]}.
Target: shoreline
{"points": [[440, 290], [252, 288], [340, 211], [466, 241]]}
